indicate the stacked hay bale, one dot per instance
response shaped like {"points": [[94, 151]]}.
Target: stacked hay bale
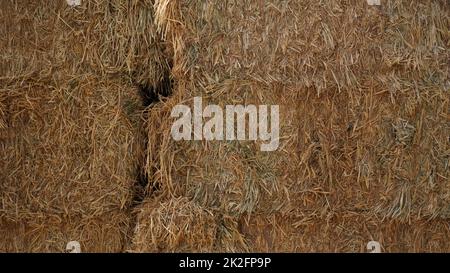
{"points": [[71, 116], [175, 225], [109, 37], [363, 96], [70, 159], [342, 232], [411, 152], [101, 234], [363, 153]]}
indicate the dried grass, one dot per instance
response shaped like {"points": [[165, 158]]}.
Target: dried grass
{"points": [[355, 126], [108, 233], [342, 232], [364, 99], [72, 148], [109, 37], [176, 225], [70, 121]]}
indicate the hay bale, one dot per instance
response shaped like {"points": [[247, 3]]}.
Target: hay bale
{"points": [[176, 225], [72, 148], [363, 93], [341, 232], [307, 43], [410, 154], [232, 177], [108, 233], [108, 37]]}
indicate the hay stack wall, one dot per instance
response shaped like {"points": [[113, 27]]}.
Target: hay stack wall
{"points": [[363, 94]]}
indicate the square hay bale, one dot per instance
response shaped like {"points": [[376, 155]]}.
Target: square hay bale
{"points": [[108, 233], [71, 147], [341, 232], [109, 37], [313, 43], [234, 176], [363, 96], [175, 225]]}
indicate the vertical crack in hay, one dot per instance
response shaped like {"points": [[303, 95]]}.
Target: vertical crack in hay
{"points": [[150, 96]]}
